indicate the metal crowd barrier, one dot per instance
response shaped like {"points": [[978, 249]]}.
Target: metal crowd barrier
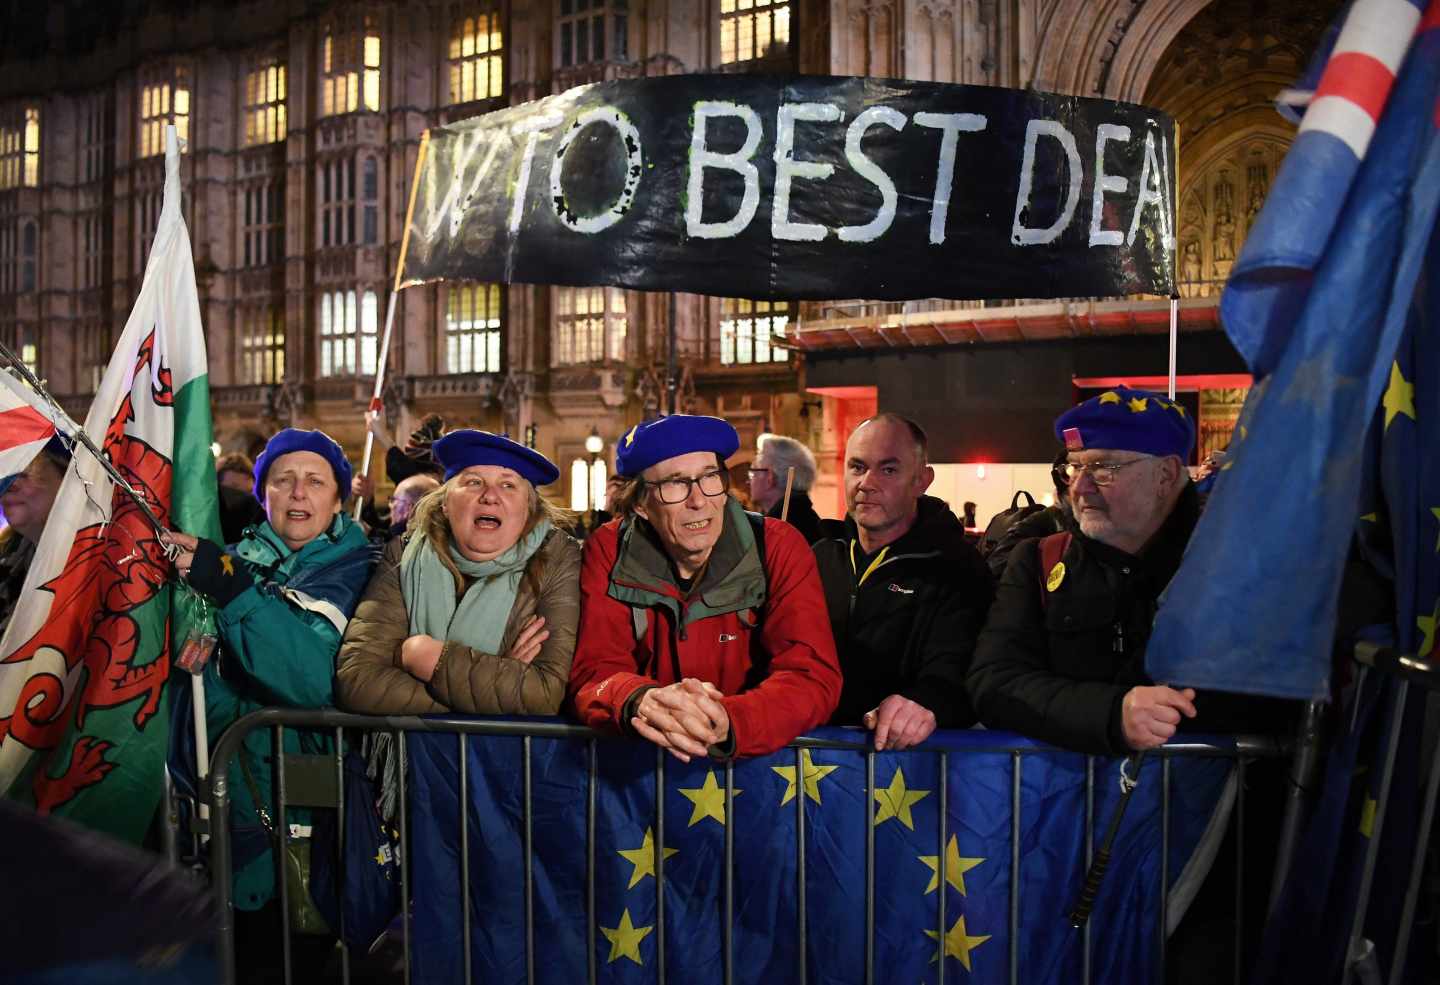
{"points": [[216, 793]]}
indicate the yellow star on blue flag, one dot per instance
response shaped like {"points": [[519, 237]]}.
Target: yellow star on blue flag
{"points": [[896, 800], [643, 858], [955, 867], [625, 939], [813, 775], [958, 944], [709, 800]]}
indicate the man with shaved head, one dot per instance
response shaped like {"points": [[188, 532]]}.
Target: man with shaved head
{"points": [[907, 592]]}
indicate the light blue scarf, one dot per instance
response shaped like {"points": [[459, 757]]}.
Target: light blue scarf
{"points": [[478, 620]]}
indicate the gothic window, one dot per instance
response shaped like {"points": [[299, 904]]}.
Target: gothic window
{"points": [[94, 138], [262, 346], [590, 326], [264, 228], [748, 329], [164, 99], [337, 202], [477, 69], [349, 333], [20, 148], [264, 110], [752, 30], [350, 70], [591, 31], [473, 328]]}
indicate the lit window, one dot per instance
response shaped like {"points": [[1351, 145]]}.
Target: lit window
{"points": [[587, 484], [751, 30], [748, 330], [590, 326], [20, 149], [593, 30], [477, 58], [265, 102], [349, 335], [472, 328], [164, 99], [262, 346], [350, 71]]}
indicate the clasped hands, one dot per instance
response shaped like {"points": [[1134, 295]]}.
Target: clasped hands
{"points": [[685, 718], [420, 654]]}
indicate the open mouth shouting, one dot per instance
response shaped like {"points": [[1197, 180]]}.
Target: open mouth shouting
{"points": [[487, 521]]}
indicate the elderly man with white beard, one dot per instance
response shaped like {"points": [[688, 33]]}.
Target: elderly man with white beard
{"points": [[1062, 654]]}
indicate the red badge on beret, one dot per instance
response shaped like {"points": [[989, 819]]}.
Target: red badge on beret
{"points": [[1073, 441]]}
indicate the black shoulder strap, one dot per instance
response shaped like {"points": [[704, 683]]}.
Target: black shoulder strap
{"points": [[757, 526]]}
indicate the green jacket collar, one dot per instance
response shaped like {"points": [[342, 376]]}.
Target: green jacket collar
{"points": [[262, 546], [734, 579]]}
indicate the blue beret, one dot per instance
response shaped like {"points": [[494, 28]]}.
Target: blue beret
{"points": [[665, 437], [1123, 419], [459, 450], [299, 439]]}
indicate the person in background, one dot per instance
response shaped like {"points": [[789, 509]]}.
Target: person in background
{"points": [[283, 596], [775, 457], [474, 608], [907, 593], [1042, 523], [27, 498], [235, 474], [405, 498], [702, 627], [968, 515]]}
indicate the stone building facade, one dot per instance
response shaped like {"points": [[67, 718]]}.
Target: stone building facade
{"points": [[303, 120]]}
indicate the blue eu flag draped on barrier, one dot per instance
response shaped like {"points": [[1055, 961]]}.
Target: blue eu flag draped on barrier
{"points": [[1261, 578], [928, 812]]}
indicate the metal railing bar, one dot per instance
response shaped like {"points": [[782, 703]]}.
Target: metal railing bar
{"points": [[404, 802], [728, 928], [941, 875], [1089, 860], [659, 865], [593, 769], [340, 847], [1372, 849], [870, 867], [465, 930], [1014, 942], [800, 916], [282, 846], [1238, 971], [1412, 891], [1164, 907], [529, 868]]}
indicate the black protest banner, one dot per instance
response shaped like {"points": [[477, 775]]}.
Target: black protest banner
{"points": [[803, 188]]}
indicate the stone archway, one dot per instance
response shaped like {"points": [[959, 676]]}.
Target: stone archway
{"points": [[1106, 48]]}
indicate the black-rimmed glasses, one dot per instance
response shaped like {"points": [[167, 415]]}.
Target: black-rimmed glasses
{"points": [[677, 490]]}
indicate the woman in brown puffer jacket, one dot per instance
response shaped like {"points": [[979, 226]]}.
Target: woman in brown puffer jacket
{"points": [[475, 609]]}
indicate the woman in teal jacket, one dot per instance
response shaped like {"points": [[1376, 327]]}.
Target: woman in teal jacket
{"points": [[284, 594]]}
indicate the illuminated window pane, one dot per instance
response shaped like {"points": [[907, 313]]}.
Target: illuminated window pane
{"points": [[753, 29]]}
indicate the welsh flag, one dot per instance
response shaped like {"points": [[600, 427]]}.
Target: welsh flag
{"points": [[86, 658]]}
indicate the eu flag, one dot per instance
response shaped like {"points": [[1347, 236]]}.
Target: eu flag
{"points": [[1256, 596], [840, 861], [1399, 527]]}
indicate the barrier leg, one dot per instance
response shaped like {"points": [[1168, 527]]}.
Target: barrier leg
{"points": [[1304, 769]]}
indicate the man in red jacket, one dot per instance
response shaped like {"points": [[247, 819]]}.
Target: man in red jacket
{"points": [[702, 628]]}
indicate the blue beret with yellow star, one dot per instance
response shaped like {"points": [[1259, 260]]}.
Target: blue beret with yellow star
{"points": [[666, 437], [1122, 419]]}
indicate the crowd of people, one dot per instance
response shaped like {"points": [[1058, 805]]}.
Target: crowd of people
{"points": [[684, 619]]}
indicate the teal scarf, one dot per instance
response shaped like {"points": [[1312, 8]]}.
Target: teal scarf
{"points": [[478, 619]]}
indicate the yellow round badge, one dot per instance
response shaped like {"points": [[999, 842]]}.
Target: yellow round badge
{"points": [[1057, 575]]}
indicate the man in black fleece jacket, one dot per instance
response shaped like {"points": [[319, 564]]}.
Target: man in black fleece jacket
{"points": [[907, 594]]}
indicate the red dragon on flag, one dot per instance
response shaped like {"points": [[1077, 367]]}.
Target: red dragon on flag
{"points": [[86, 660]]}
